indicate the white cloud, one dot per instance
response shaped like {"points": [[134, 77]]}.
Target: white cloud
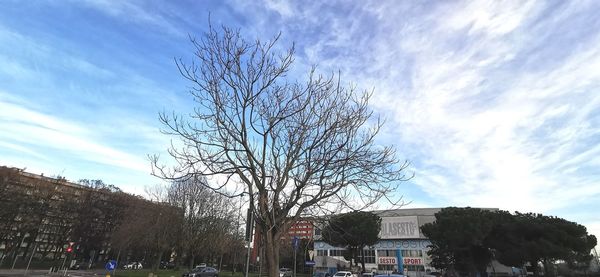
{"points": [[477, 100], [22, 126], [136, 11]]}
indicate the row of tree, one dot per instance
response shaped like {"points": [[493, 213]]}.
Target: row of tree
{"points": [[41, 217], [466, 240], [206, 228]]}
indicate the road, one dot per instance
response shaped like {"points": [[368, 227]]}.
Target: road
{"points": [[39, 273]]}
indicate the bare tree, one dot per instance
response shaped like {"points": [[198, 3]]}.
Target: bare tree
{"points": [[294, 147], [151, 226], [209, 218]]}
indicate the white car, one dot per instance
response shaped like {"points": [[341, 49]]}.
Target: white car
{"points": [[344, 274], [133, 265], [285, 272]]}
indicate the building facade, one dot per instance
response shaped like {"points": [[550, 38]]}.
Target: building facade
{"points": [[48, 218], [402, 247], [303, 229]]}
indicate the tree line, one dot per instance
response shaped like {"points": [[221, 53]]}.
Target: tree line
{"points": [[50, 219], [467, 240]]}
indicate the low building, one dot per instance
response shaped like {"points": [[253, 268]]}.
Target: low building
{"points": [[303, 229], [402, 247]]}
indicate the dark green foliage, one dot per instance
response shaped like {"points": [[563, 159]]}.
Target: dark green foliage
{"points": [[537, 238], [467, 239], [354, 231], [458, 238]]}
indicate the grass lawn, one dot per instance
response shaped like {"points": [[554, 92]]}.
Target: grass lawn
{"points": [[145, 272]]}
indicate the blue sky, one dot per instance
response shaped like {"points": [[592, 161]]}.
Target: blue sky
{"points": [[496, 104]]}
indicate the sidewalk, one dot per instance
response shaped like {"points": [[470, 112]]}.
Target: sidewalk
{"points": [[39, 273], [21, 272]]}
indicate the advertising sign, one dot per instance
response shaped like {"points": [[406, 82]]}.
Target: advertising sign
{"points": [[413, 261], [400, 227], [387, 260]]}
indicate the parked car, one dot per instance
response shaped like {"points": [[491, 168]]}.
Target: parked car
{"points": [[202, 272], [133, 265], [285, 272], [166, 265], [433, 274], [80, 265], [321, 274], [344, 274]]}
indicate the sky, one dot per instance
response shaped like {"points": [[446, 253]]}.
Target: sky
{"points": [[494, 103]]}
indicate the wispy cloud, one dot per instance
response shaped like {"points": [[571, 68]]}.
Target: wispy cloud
{"points": [[140, 13], [495, 103], [21, 125]]}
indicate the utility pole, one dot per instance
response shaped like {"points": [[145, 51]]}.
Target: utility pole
{"points": [[249, 229], [31, 257], [295, 246], [17, 252], [238, 235]]}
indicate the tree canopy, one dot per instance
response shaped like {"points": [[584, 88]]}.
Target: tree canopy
{"points": [[295, 147], [467, 239], [354, 231]]}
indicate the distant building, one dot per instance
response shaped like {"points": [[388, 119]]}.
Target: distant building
{"points": [[45, 216], [303, 229], [402, 247]]}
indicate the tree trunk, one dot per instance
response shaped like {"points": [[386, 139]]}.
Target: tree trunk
{"points": [[534, 266], [272, 252], [362, 259], [156, 265]]}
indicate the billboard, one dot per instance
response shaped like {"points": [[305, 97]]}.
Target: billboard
{"points": [[413, 261], [387, 260], [399, 227]]}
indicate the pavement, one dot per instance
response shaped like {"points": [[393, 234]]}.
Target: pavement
{"points": [[45, 273]]}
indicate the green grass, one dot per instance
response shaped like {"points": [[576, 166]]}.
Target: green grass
{"points": [[145, 272]]}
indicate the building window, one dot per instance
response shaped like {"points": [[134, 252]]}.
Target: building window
{"points": [[386, 253], [386, 267], [415, 268], [337, 253], [322, 253], [412, 253], [369, 256]]}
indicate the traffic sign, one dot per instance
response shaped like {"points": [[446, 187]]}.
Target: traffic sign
{"points": [[295, 243], [309, 263], [111, 265]]}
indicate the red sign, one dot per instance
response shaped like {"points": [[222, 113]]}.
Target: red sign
{"points": [[387, 260], [413, 261]]}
